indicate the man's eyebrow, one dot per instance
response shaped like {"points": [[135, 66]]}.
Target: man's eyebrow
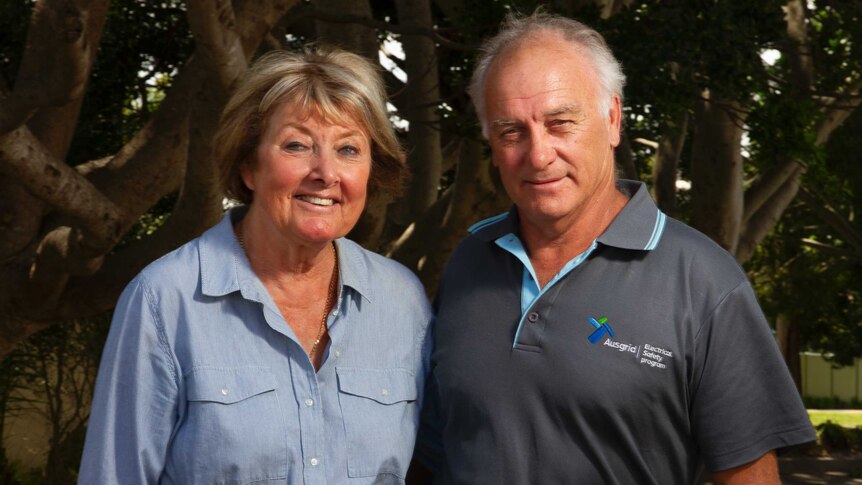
{"points": [[562, 110], [503, 123]]}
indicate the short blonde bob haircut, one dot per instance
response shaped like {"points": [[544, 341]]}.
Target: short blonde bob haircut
{"points": [[342, 87]]}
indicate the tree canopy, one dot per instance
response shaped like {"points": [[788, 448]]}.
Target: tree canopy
{"points": [[741, 116]]}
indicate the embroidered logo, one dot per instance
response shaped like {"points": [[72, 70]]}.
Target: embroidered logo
{"points": [[644, 354], [601, 328]]}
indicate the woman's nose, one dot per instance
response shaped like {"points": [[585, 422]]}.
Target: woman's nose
{"points": [[325, 168]]}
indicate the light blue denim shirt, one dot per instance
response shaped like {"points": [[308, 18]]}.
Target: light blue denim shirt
{"points": [[203, 381]]}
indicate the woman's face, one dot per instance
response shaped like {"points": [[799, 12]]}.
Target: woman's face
{"points": [[310, 176]]}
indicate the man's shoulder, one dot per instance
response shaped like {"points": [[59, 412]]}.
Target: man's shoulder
{"points": [[683, 243]]}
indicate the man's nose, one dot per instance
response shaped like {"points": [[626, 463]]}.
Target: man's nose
{"points": [[541, 150]]}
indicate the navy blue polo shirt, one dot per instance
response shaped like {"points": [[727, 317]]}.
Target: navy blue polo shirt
{"points": [[644, 358]]}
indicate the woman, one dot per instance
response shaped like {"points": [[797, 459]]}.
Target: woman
{"points": [[271, 349]]}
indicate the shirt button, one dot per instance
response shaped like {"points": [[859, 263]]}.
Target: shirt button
{"points": [[334, 313], [337, 353], [313, 461], [532, 317], [384, 391], [224, 391], [309, 402]]}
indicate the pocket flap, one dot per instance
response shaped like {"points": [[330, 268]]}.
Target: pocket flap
{"points": [[228, 385], [386, 386]]}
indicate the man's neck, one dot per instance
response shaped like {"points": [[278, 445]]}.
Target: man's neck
{"points": [[550, 245]]}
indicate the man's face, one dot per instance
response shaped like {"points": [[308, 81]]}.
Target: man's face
{"points": [[553, 147]]}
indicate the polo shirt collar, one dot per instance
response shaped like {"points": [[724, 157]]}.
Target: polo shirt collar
{"points": [[493, 228], [225, 267], [638, 226]]}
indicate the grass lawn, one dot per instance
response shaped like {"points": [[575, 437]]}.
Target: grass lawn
{"points": [[848, 419]]}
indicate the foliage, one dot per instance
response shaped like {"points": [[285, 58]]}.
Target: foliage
{"points": [[142, 47], [821, 290], [833, 436], [57, 369], [670, 49]]}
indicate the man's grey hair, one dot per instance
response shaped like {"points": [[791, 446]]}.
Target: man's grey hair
{"points": [[518, 28]]}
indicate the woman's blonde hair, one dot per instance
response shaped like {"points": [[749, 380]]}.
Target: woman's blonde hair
{"points": [[340, 86]]}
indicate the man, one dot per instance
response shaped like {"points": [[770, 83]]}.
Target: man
{"points": [[585, 337]]}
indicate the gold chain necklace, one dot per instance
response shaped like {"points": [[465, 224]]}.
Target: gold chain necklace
{"points": [[330, 293]]}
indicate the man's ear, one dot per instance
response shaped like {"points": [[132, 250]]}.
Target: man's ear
{"points": [[615, 121]]}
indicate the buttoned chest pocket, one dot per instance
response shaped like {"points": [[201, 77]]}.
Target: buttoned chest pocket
{"points": [[234, 430], [380, 415]]}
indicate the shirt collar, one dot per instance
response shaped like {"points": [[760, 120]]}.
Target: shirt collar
{"points": [[225, 267], [638, 226]]}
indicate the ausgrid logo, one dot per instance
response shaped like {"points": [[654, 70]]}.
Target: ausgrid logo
{"points": [[601, 327]]}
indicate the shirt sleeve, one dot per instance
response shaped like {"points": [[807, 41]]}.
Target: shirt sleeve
{"points": [[135, 402], [429, 441], [743, 403]]}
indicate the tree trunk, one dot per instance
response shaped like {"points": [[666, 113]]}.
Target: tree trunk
{"points": [[475, 196], [624, 158], [787, 336], [422, 95], [351, 36], [716, 173], [667, 163]]}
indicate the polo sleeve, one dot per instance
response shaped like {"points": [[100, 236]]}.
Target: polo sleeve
{"points": [[743, 402], [429, 441], [135, 402]]}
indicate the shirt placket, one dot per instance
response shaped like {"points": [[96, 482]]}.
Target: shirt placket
{"points": [[307, 394]]}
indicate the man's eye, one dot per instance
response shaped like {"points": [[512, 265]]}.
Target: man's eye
{"points": [[561, 123], [510, 134]]}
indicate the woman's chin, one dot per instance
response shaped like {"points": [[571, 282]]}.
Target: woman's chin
{"points": [[320, 235]]}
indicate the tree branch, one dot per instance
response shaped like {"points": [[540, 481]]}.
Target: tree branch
{"points": [[61, 186], [20, 216], [767, 184], [764, 219], [337, 17], [832, 250], [54, 123], [214, 27], [57, 49], [838, 110], [830, 215]]}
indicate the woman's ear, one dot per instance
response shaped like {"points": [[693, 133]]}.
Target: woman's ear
{"points": [[247, 174]]}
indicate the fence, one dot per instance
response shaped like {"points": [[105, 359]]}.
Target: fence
{"points": [[820, 379]]}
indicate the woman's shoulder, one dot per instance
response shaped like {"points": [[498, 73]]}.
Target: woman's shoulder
{"points": [[176, 269], [379, 268]]}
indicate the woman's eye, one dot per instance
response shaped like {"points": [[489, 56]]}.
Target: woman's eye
{"points": [[294, 146], [349, 150]]}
